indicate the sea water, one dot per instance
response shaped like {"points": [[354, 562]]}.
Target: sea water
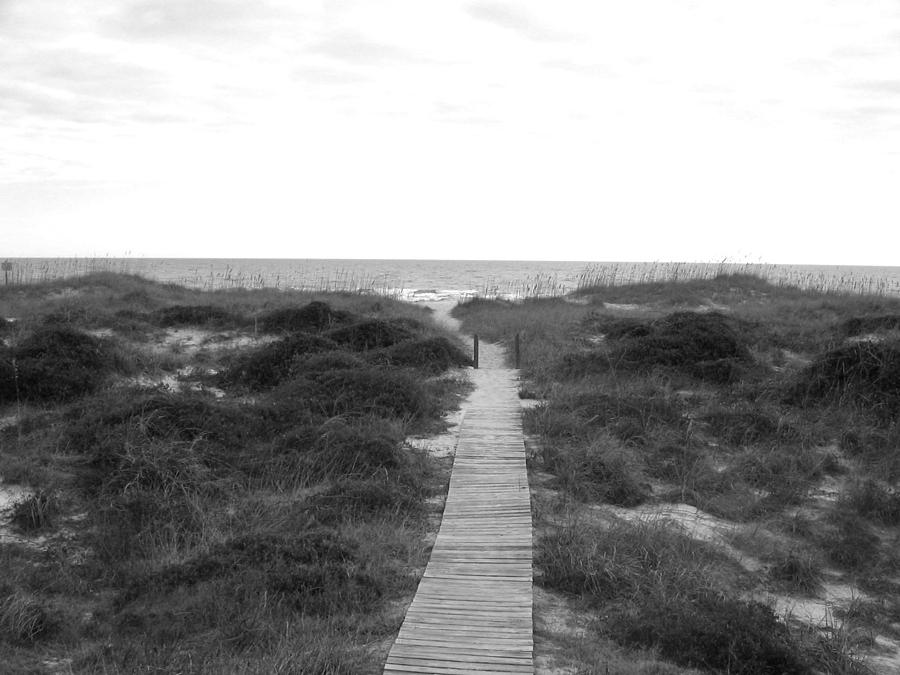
{"points": [[429, 280]]}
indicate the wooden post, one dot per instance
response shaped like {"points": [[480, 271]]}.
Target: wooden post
{"points": [[475, 349], [518, 352]]}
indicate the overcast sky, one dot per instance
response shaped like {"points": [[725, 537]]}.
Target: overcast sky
{"points": [[754, 130]]}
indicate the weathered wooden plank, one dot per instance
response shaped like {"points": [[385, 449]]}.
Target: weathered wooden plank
{"points": [[472, 611]]}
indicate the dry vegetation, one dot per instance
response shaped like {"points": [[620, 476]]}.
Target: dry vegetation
{"points": [[715, 474], [212, 482]]}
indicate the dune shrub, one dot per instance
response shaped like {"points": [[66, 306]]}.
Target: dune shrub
{"points": [[364, 498], [53, 363], [374, 333], [798, 572], [715, 633], [862, 325], [873, 500], [704, 345], [849, 541], [433, 355], [744, 423], [267, 366], [601, 470], [364, 447], [864, 374], [662, 589], [375, 390], [313, 317], [316, 571]]}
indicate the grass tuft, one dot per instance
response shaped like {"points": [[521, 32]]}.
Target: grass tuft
{"points": [[374, 333], [35, 512], [53, 363], [269, 365], [23, 619], [865, 374], [433, 355], [313, 317]]}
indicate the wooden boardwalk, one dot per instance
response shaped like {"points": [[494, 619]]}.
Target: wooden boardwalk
{"points": [[472, 610]]}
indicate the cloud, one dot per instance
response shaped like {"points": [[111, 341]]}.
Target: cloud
{"points": [[322, 75], [589, 69], [512, 18], [94, 74], [869, 116], [352, 47], [884, 87], [72, 85], [212, 19]]}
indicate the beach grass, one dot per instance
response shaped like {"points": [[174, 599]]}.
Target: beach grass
{"points": [[214, 481], [746, 428]]}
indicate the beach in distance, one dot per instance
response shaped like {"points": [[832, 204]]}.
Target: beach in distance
{"points": [[427, 280]]}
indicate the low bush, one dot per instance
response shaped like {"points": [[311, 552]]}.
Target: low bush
{"points": [[780, 469], [704, 345], [616, 328], [386, 392], [315, 572], [659, 588], [715, 633], [745, 424], [688, 341], [104, 424], [633, 414], [875, 501], [862, 325], [433, 355], [600, 471], [269, 365], [849, 542], [364, 498], [797, 572], [313, 317], [374, 333], [53, 363], [864, 374], [363, 447], [627, 560]]}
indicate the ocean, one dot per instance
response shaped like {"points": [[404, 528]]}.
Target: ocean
{"points": [[428, 280]]}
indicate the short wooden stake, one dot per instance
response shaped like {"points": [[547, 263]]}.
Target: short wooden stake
{"points": [[475, 349]]}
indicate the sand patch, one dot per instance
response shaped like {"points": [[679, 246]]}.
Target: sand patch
{"points": [[190, 340], [10, 495], [623, 306], [8, 421], [818, 612], [178, 382], [443, 444]]}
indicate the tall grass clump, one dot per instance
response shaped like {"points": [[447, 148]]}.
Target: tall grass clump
{"points": [[659, 588], [864, 374], [662, 589], [312, 317], [53, 363]]}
